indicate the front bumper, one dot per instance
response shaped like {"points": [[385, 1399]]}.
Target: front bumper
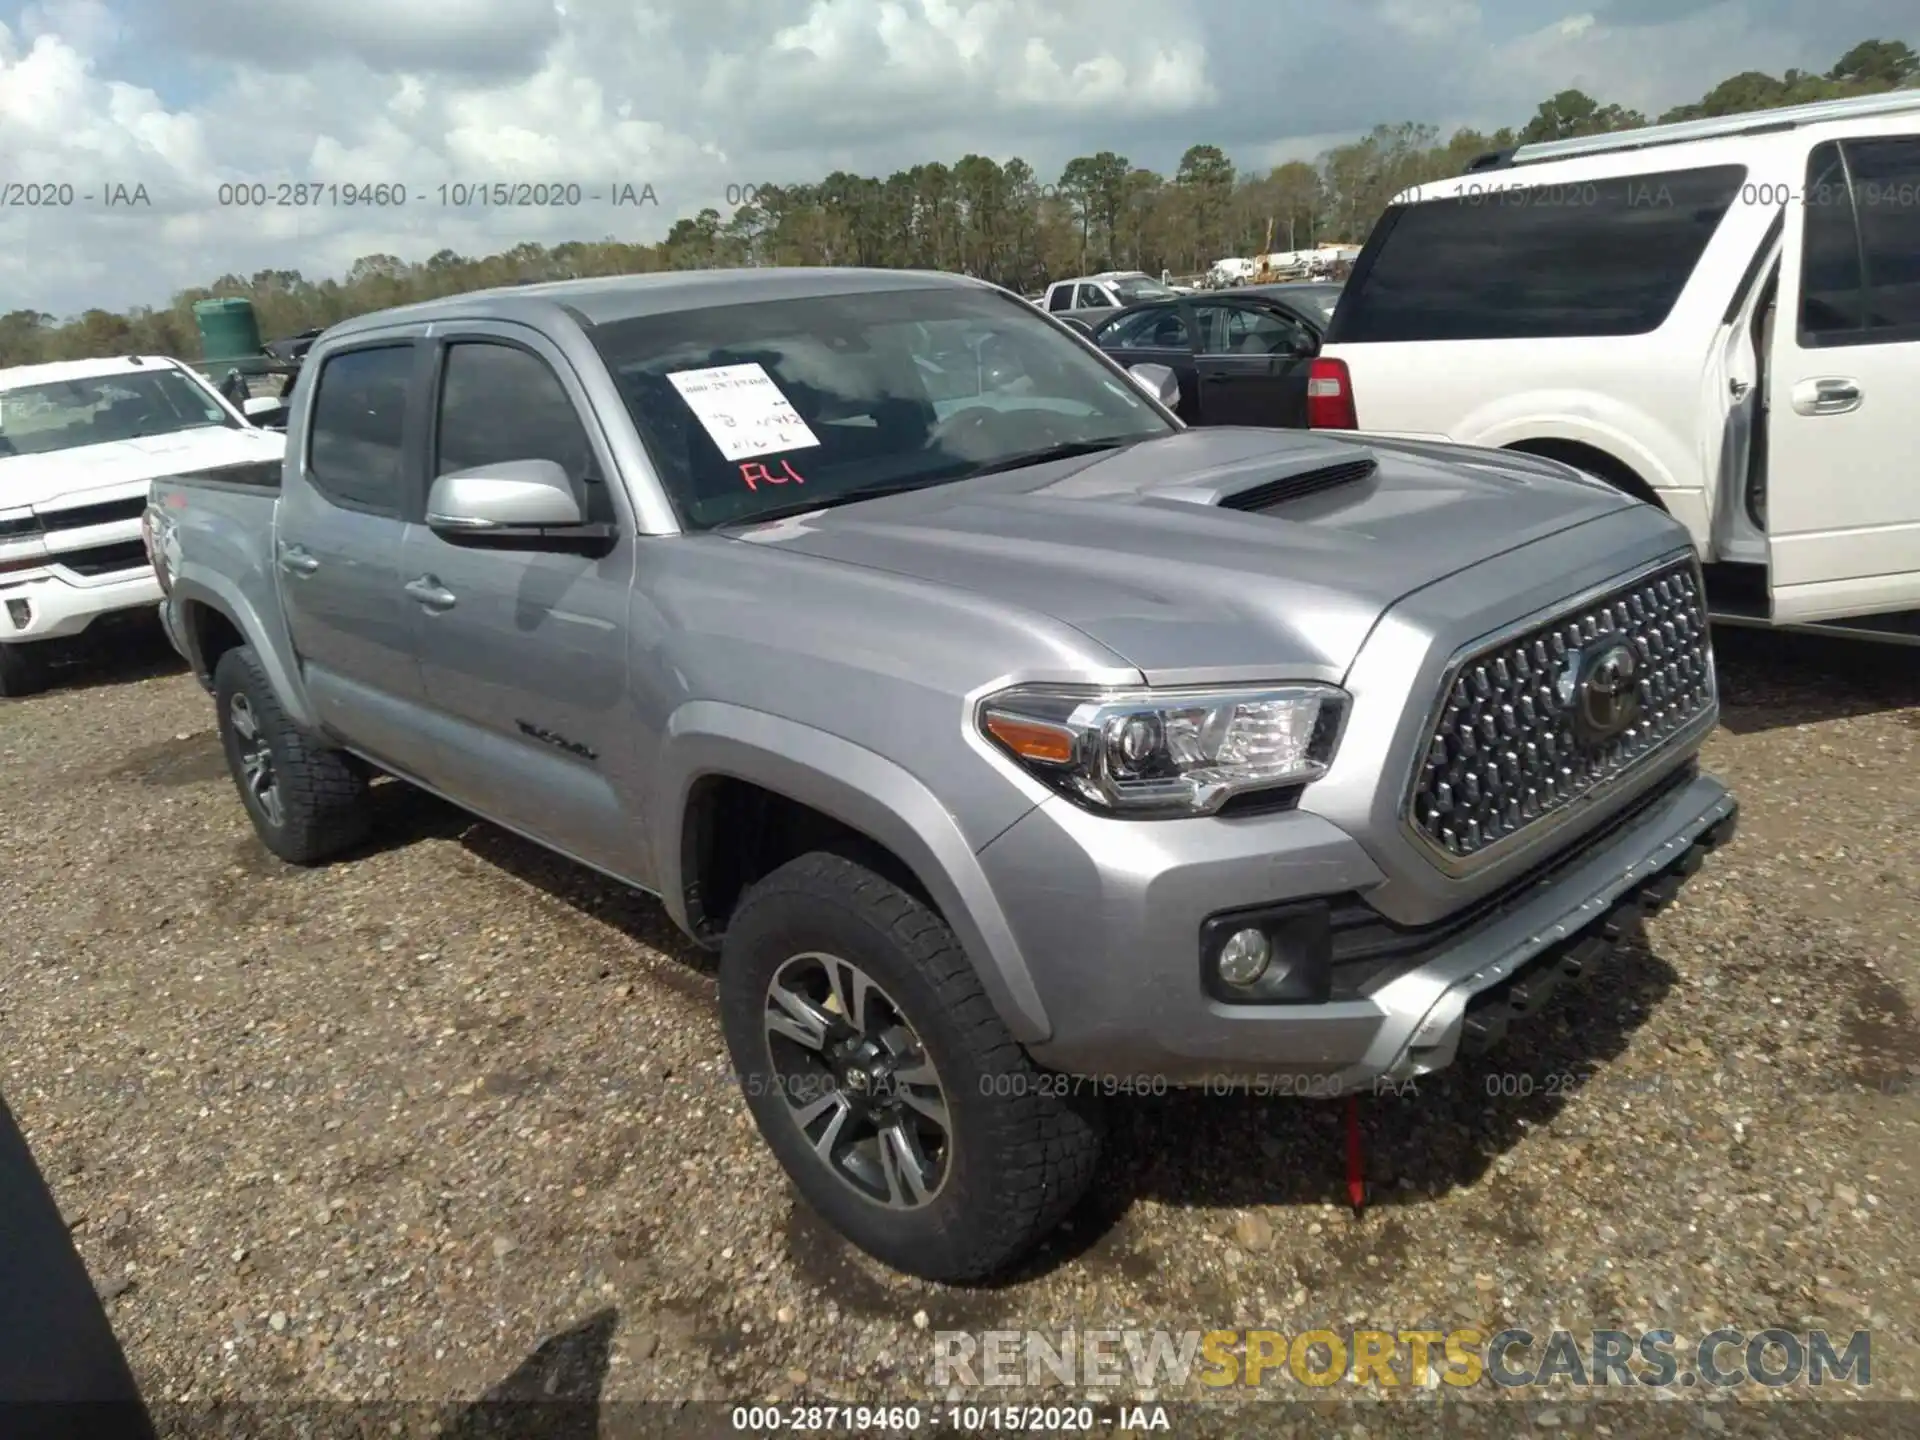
{"points": [[52, 609], [1108, 914]]}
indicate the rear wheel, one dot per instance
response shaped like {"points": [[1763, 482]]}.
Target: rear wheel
{"points": [[22, 671], [307, 802], [884, 1081]]}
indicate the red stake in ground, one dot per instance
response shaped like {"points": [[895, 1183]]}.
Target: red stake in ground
{"points": [[1356, 1168]]}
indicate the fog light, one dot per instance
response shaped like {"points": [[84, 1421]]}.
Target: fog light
{"points": [[21, 613], [1278, 954], [1243, 959]]}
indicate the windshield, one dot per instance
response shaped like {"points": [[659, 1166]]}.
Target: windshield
{"points": [[749, 410], [1133, 291], [66, 414]]}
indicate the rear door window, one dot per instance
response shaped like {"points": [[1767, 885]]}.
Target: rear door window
{"points": [[355, 449], [1860, 251], [1503, 261], [1886, 192], [1830, 288]]}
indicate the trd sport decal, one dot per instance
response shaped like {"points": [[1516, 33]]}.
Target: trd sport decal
{"points": [[559, 742]]}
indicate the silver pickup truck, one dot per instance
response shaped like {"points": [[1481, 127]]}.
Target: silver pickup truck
{"points": [[1007, 739]]}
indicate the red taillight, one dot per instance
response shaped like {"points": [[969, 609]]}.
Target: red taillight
{"points": [[1330, 396]]}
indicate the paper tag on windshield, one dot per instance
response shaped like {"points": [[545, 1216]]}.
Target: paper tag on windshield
{"points": [[743, 410]]}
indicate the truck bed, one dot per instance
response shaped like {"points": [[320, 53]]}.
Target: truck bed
{"points": [[214, 536]]}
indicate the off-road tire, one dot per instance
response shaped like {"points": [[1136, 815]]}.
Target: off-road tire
{"points": [[22, 671], [323, 792], [1024, 1147]]}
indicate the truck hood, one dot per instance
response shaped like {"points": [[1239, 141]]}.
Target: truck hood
{"points": [[1136, 549], [36, 481]]}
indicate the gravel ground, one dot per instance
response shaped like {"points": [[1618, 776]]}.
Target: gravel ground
{"points": [[453, 1113]]}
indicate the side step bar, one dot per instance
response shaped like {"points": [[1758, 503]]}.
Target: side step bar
{"points": [[1900, 629], [1737, 595]]}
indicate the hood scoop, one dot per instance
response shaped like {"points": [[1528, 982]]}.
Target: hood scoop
{"points": [[1268, 481], [1275, 493]]}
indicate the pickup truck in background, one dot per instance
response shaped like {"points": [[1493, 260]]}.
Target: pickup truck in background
{"points": [[1090, 299], [992, 725], [80, 443]]}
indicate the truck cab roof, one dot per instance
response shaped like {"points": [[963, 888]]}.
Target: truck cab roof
{"points": [[602, 300], [1103, 276]]}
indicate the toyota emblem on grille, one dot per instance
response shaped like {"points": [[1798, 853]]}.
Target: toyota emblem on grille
{"points": [[1602, 688]]}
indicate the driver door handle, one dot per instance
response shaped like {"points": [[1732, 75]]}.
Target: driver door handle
{"points": [[431, 593], [1828, 395], [295, 560]]}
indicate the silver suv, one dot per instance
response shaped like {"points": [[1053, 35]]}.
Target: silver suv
{"points": [[1006, 738]]}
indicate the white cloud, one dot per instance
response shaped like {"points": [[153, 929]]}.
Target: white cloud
{"points": [[61, 122], [691, 96], [89, 25], [1627, 66], [878, 65], [1430, 19], [449, 36], [1294, 147]]}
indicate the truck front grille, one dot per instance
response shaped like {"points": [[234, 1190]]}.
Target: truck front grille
{"points": [[77, 517], [1535, 720], [103, 559]]}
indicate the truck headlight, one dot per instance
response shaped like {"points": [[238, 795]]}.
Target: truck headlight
{"points": [[1167, 752]]}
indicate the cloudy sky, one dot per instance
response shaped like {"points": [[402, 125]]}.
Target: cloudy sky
{"points": [[693, 97]]}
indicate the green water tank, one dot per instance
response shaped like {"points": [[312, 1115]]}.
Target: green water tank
{"points": [[229, 330]]}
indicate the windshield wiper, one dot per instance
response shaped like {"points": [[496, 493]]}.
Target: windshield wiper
{"points": [[1066, 450], [845, 497]]}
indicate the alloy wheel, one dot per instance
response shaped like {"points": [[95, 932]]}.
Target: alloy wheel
{"points": [[857, 1081], [258, 776]]}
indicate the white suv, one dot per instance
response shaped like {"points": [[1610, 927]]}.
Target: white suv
{"points": [[1608, 301], [80, 443]]}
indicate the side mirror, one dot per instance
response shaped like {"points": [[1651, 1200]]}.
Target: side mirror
{"points": [[1159, 382], [1078, 324], [267, 411], [512, 503]]}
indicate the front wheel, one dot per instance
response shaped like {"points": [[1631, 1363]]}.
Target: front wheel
{"points": [[307, 802], [22, 671], [882, 1078]]}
